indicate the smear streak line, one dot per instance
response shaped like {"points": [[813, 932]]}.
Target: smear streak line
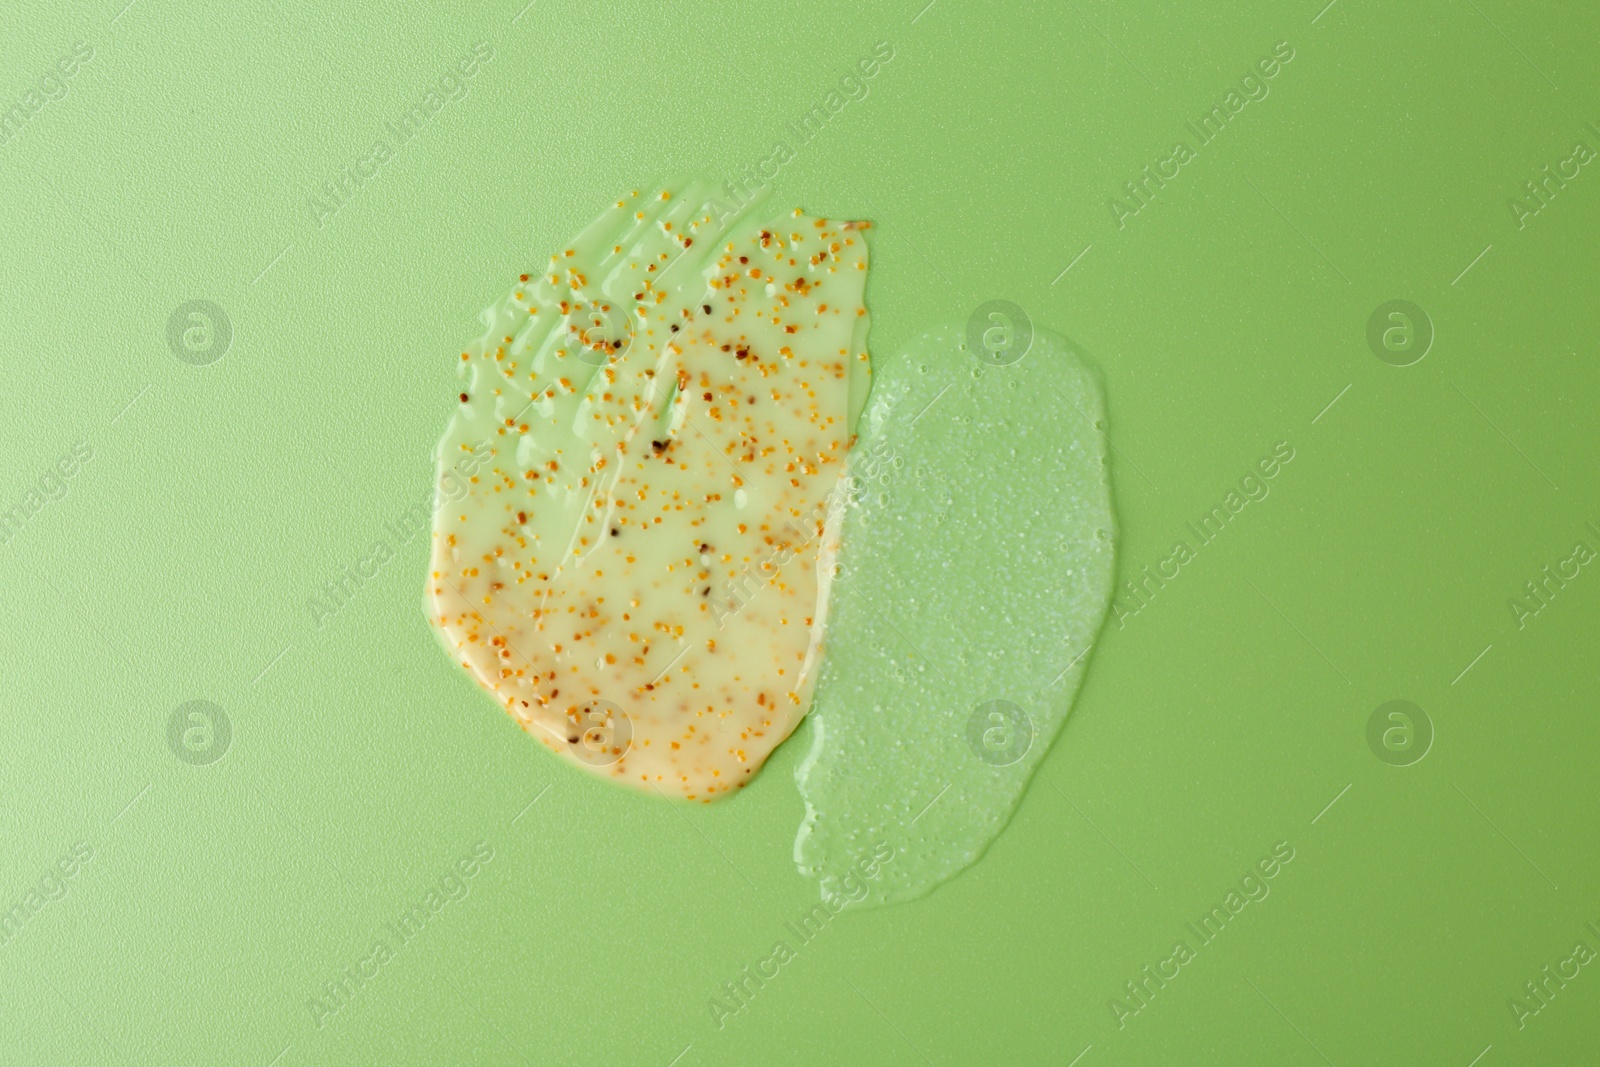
{"points": [[929, 804], [530, 804], [1473, 664], [1074, 262], [1332, 402], [1474, 263], [1331, 803]]}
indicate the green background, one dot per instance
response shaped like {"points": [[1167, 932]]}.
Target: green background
{"points": [[1223, 718]]}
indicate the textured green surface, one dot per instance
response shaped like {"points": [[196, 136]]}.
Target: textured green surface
{"points": [[974, 571], [1219, 720]]}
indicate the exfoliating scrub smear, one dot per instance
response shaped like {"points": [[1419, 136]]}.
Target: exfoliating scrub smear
{"points": [[659, 540], [974, 572], [651, 432]]}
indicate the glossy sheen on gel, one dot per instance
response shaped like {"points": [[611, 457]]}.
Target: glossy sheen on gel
{"points": [[975, 570]]}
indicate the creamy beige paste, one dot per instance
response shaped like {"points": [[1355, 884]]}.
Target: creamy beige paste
{"points": [[655, 427]]}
